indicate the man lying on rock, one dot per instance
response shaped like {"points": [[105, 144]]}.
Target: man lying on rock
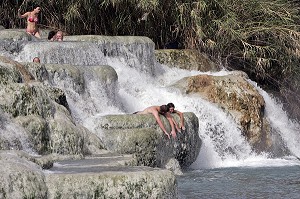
{"points": [[163, 110]]}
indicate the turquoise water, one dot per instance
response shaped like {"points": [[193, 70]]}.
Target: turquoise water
{"points": [[241, 182]]}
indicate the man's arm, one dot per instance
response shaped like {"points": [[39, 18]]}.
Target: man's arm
{"points": [[156, 115], [181, 119], [176, 125], [169, 117]]}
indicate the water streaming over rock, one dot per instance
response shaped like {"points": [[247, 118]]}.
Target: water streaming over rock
{"points": [[12, 135], [287, 129], [141, 82]]}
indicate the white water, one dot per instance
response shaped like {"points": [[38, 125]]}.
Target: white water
{"points": [[13, 135], [138, 90], [223, 145], [289, 130]]}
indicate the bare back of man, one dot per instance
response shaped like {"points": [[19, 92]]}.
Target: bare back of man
{"points": [[150, 109], [163, 110]]}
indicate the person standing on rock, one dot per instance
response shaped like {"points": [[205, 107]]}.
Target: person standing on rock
{"points": [[171, 107], [163, 110], [32, 19]]}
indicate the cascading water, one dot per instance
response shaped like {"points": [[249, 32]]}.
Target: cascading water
{"points": [[288, 130], [139, 86], [55, 53], [12, 135]]}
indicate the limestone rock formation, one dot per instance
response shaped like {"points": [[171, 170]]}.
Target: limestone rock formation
{"points": [[98, 181], [33, 98], [13, 40], [140, 135], [43, 112], [20, 178], [96, 48], [15, 35], [185, 59], [237, 97], [101, 176]]}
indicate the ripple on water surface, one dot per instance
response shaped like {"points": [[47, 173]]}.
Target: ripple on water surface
{"points": [[241, 182]]}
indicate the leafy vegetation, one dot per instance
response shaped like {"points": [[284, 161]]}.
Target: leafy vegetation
{"points": [[260, 37]]}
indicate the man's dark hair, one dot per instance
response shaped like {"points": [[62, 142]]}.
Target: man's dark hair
{"points": [[164, 109], [51, 34], [171, 105]]}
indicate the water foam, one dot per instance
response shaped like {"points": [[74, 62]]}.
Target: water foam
{"points": [[143, 86]]}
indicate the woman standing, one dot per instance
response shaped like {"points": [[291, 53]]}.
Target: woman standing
{"points": [[32, 19]]}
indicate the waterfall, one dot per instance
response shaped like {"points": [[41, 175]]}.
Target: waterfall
{"points": [[288, 129], [141, 83], [13, 136], [69, 53]]}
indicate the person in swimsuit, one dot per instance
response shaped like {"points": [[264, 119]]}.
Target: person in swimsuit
{"points": [[163, 110], [32, 19], [172, 110]]}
